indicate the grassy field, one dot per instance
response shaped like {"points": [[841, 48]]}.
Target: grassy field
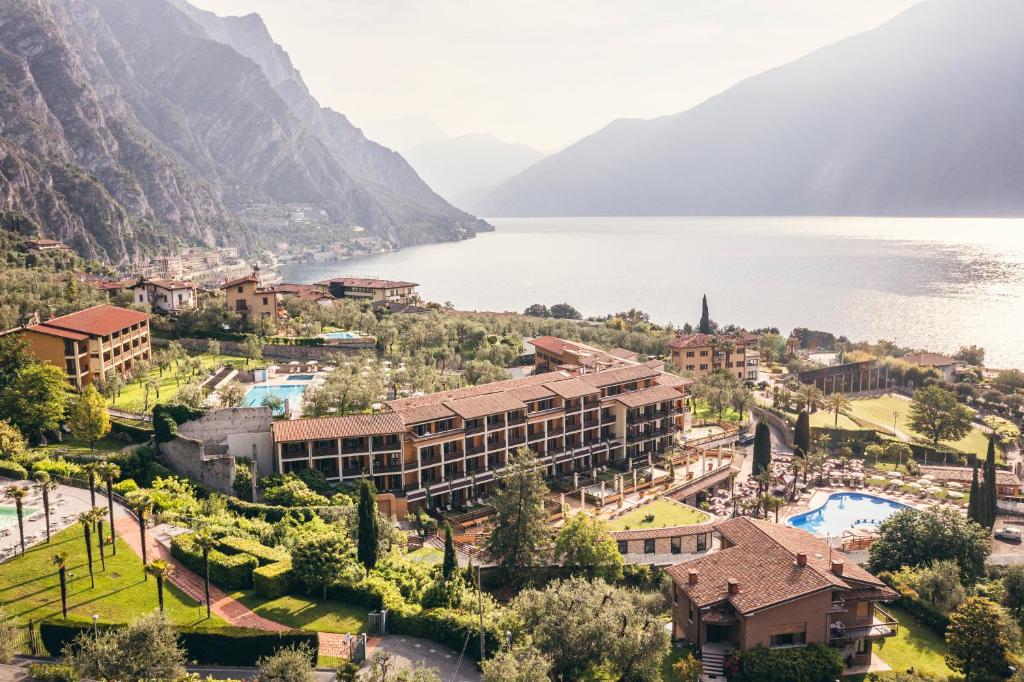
{"points": [[703, 411], [915, 646], [666, 514], [70, 446], [879, 411], [828, 420], [132, 398], [304, 612], [426, 555], [30, 587]]}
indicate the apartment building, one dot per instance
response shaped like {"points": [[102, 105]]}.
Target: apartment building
{"points": [[166, 296], [247, 297], [445, 448], [370, 289], [90, 343], [700, 354], [776, 586], [553, 353]]}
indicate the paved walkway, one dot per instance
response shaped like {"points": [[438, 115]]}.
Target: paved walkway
{"points": [[231, 610]]}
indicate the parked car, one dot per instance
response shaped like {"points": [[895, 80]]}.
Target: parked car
{"points": [[746, 439], [1008, 534]]}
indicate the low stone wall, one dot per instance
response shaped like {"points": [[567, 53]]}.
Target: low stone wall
{"points": [[780, 425], [185, 456]]}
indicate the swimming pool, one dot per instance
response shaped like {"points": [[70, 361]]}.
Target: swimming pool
{"points": [[341, 335], [301, 377], [9, 515], [843, 511], [290, 392]]}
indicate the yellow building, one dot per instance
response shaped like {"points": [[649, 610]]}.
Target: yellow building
{"points": [[700, 354], [90, 343], [253, 302]]}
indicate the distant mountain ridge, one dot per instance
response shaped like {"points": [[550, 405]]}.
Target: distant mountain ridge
{"points": [[130, 125], [921, 116]]}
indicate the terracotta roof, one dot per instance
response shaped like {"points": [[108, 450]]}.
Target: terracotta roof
{"points": [[929, 359], [698, 340], [966, 474], [622, 354], [762, 559], [99, 320], [483, 405], [572, 388], [551, 344], [170, 283], [610, 377], [288, 288], [240, 280], [470, 391], [425, 413], [348, 426], [648, 396], [53, 331], [669, 532], [654, 364], [719, 615], [673, 381], [537, 392], [369, 282]]}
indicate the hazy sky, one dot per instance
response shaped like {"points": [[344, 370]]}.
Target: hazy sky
{"points": [[542, 72]]}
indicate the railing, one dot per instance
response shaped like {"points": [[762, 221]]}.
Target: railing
{"points": [[876, 630]]}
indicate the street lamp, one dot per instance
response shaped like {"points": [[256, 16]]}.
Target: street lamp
{"points": [[95, 631]]}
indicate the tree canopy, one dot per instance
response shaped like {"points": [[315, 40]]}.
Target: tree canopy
{"points": [[936, 413], [917, 538], [583, 543], [519, 537]]}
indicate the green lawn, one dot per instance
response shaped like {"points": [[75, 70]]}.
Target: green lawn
{"points": [[71, 446], [132, 398], [666, 514], [703, 411], [915, 646], [30, 587], [426, 554], [879, 412], [828, 420], [304, 612]]}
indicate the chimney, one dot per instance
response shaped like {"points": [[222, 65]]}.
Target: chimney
{"points": [[801, 559], [691, 576], [837, 566], [734, 586]]}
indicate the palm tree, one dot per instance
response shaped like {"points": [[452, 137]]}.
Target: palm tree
{"points": [[90, 470], [808, 397], [836, 403], [107, 472], [97, 514], [161, 570], [45, 485], [18, 493], [142, 504], [205, 541], [727, 348], [816, 462], [86, 519], [60, 560]]}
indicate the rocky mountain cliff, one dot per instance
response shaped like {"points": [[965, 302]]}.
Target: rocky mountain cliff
{"points": [[126, 125], [921, 116]]}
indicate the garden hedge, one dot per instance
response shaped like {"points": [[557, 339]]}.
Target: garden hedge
{"points": [[811, 663], [136, 433], [13, 470], [207, 646], [274, 513], [273, 580], [265, 555], [227, 572]]}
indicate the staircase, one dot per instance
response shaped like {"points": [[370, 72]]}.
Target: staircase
{"points": [[712, 657]]}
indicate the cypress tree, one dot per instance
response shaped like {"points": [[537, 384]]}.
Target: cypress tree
{"points": [[973, 501], [990, 483], [802, 434], [368, 531], [705, 317], [451, 562], [762, 449]]}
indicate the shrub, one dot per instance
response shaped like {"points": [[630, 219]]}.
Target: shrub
{"points": [[13, 470], [273, 580], [126, 486], [52, 672], [812, 663], [135, 433], [274, 513], [265, 555], [228, 572], [450, 628], [57, 468]]}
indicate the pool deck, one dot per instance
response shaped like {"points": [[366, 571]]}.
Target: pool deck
{"points": [[821, 495]]}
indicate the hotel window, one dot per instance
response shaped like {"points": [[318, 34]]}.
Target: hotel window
{"points": [[863, 610], [648, 546], [704, 365], [689, 353], [239, 289], [623, 547], [266, 300], [703, 353], [691, 367], [788, 639], [677, 545]]}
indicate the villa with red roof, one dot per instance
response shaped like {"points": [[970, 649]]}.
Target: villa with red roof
{"points": [[370, 289], [90, 343]]}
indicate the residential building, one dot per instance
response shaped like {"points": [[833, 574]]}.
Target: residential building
{"points": [[1008, 484], [90, 343], [946, 366], [253, 301], [370, 289], [699, 354], [45, 245], [445, 448], [852, 377], [776, 586], [553, 353], [165, 295], [304, 292], [664, 546], [111, 287]]}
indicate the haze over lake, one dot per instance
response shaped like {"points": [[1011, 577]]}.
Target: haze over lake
{"points": [[926, 283]]}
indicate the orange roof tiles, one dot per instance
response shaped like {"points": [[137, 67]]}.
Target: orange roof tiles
{"points": [[348, 426], [929, 359], [469, 391], [655, 533], [53, 331], [369, 283], [619, 375], [536, 392], [483, 405], [240, 280], [572, 388], [424, 413], [99, 320], [648, 396]]}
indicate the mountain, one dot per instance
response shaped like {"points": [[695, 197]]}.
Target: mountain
{"points": [[459, 166], [405, 133], [920, 116], [130, 125]]}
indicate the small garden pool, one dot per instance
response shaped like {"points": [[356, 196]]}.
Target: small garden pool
{"points": [[844, 511], [290, 392]]}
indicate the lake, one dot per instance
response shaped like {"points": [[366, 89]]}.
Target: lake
{"points": [[928, 283]]}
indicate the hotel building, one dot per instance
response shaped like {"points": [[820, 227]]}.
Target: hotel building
{"points": [[247, 297], [370, 289], [445, 448], [90, 343], [699, 354]]}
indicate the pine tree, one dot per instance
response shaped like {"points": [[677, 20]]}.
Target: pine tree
{"points": [[367, 550], [762, 449], [451, 562], [990, 483], [705, 317], [973, 501], [802, 434]]}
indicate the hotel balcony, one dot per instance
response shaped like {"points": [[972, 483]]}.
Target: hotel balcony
{"points": [[884, 625]]}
